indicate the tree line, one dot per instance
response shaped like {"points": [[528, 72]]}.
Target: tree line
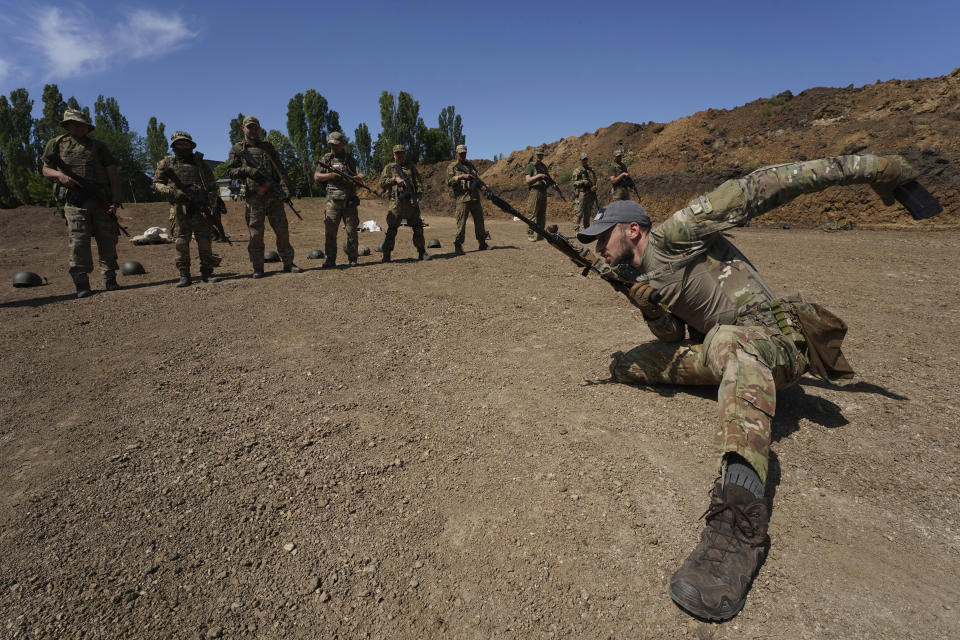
{"points": [[309, 121]]}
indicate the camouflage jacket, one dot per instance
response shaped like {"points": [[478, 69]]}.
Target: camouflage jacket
{"points": [[703, 278], [388, 182], [195, 175], [584, 179], [340, 188], [461, 188], [533, 169], [266, 156], [87, 158], [619, 190]]}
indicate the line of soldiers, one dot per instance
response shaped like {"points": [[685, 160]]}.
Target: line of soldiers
{"points": [[715, 320], [188, 183]]}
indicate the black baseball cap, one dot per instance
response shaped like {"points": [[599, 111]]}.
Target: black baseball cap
{"points": [[617, 212]]}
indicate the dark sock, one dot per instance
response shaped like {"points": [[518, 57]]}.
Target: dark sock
{"points": [[739, 472]]}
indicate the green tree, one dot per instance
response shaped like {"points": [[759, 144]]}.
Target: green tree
{"points": [[436, 146], [451, 125], [48, 127], [297, 130], [288, 157], [236, 129], [363, 145], [315, 109], [127, 147], [156, 141], [19, 155]]}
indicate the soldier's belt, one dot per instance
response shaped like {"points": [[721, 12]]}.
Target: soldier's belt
{"points": [[780, 315]]}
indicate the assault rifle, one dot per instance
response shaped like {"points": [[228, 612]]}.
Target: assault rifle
{"points": [[553, 183], [630, 183], [205, 210], [618, 277], [346, 176], [410, 192], [270, 182], [89, 191]]}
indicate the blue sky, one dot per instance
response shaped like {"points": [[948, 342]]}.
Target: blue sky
{"points": [[519, 73]]}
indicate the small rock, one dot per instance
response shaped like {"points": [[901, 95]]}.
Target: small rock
{"points": [[311, 585], [414, 583], [214, 632], [418, 564], [289, 547], [235, 606], [324, 596]]}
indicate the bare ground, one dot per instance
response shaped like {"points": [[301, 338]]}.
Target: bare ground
{"points": [[434, 450]]}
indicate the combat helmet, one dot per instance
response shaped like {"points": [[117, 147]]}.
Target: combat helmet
{"points": [[271, 256], [132, 268], [182, 135], [27, 279], [315, 254]]}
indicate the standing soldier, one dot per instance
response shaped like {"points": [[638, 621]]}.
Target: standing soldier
{"points": [[585, 194], [86, 171], [538, 179], [254, 160], [188, 183], [405, 187], [620, 179], [460, 176], [342, 200]]}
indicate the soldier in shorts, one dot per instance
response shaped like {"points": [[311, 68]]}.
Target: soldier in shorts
{"points": [[90, 208], [685, 276]]}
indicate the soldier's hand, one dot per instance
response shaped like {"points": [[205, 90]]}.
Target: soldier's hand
{"points": [[112, 209], [67, 181], [640, 297], [400, 181]]}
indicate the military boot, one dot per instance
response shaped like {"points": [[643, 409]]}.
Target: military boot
{"points": [[110, 281], [184, 280], [329, 263], [206, 275], [713, 581], [458, 249], [483, 245], [292, 268], [386, 257], [82, 283], [423, 255]]}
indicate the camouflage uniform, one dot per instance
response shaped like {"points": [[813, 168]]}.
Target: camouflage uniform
{"points": [[620, 190], [401, 208], [260, 207], [537, 199], [585, 196], [185, 219], [342, 204], [754, 342], [468, 202], [87, 158]]}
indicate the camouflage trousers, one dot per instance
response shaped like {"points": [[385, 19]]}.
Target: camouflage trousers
{"points": [[339, 211], [537, 210], [584, 206], [412, 216], [84, 222], [749, 364], [261, 208], [466, 209], [184, 224]]}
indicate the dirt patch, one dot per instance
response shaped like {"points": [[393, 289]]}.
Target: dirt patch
{"points": [[433, 449]]}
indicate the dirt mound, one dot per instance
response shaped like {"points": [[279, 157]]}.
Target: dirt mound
{"points": [[673, 162]]}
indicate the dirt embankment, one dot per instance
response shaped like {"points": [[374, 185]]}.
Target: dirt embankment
{"points": [[673, 162]]}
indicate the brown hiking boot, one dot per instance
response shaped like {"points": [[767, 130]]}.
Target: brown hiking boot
{"points": [[713, 581]]}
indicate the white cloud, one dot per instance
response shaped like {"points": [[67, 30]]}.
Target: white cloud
{"points": [[73, 41]]}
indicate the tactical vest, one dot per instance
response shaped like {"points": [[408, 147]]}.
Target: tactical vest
{"points": [[538, 167], [261, 152], [461, 188], [189, 174], [83, 157], [621, 190], [584, 173], [397, 170], [339, 188]]}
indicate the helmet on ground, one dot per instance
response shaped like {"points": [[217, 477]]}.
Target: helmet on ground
{"points": [[132, 268], [27, 279], [363, 251], [316, 254], [433, 244], [380, 248], [271, 256]]}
